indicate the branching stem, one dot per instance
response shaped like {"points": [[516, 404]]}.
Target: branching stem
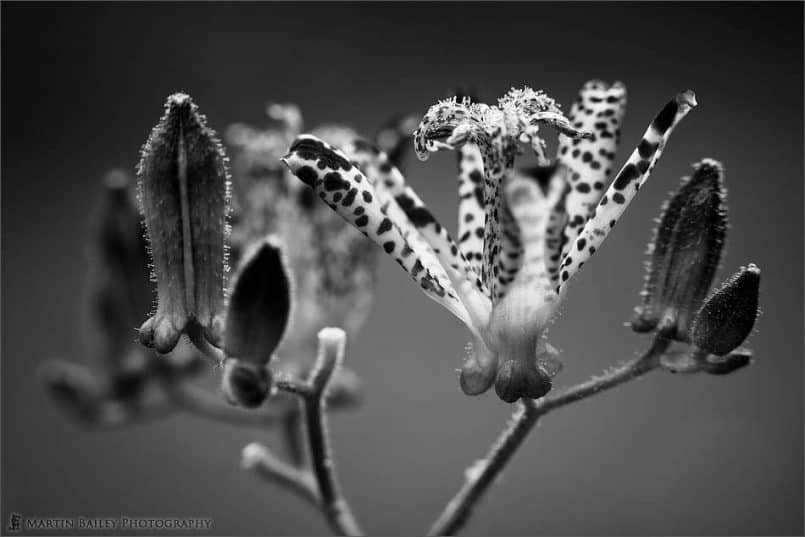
{"points": [[460, 508]]}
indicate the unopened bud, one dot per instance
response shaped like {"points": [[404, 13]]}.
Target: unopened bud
{"points": [[256, 318], [259, 305], [184, 199], [728, 316], [246, 384], [685, 254]]}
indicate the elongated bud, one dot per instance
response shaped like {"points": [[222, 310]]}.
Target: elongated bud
{"points": [[256, 318], [118, 293], [728, 316], [685, 254], [259, 305], [184, 200], [75, 389]]}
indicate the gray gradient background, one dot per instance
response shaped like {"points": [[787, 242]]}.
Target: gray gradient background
{"points": [[83, 84]]}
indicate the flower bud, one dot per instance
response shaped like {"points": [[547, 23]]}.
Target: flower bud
{"points": [[259, 305], [256, 318], [184, 200], [685, 254], [728, 316]]}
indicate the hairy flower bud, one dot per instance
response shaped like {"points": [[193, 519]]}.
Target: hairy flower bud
{"points": [[685, 253], [184, 200], [256, 318], [728, 316]]}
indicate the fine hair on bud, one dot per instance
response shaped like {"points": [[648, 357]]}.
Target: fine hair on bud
{"points": [[183, 188], [246, 384], [685, 253], [728, 316]]}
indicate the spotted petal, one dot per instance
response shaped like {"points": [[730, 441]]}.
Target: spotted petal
{"points": [[626, 184], [348, 192], [599, 109], [471, 211], [398, 197]]}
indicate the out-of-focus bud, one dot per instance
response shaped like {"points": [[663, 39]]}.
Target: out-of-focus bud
{"points": [[728, 316], [75, 389], [118, 293], [685, 254], [256, 319], [184, 199]]}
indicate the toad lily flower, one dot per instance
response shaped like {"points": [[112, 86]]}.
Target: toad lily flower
{"points": [[516, 251]]}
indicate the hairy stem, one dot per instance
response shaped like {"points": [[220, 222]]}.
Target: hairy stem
{"points": [[460, 508]]}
